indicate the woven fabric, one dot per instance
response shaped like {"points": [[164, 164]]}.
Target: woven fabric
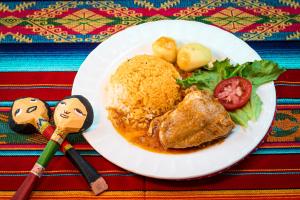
{"points": [[94, 21], [43, 43]]}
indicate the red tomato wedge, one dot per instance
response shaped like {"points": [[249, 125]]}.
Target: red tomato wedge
{"points": [[233, 93]]}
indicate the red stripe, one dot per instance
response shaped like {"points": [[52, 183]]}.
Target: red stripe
{"points": [[287, 92], [60, 93], [287, 107], [285, 161], [28, 31], [57, 163], [16, 29], [19, 14], [68, 183], [279, 144], [68, 77], [37, 77], [292, 28], [222, 181], [43, 94], [290, 75]]}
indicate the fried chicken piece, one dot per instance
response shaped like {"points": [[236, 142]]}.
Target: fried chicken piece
{"points": [[198, 119]]}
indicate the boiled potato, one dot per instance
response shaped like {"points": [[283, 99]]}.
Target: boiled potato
{"points": [[165, 48], [192, 56]]}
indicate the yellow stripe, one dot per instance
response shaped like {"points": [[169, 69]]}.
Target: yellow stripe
{"points": [[288, 82], [280, 194], [4, 119], [4, 116], [264, 170], [278, 146]]}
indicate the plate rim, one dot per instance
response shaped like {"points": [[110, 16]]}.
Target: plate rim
{"points": [[77, 79]]}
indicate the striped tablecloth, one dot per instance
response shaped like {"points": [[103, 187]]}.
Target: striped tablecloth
{"points": [[43, 44]]}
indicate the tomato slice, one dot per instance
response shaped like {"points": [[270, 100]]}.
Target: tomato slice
{"points": [[233, 93]]}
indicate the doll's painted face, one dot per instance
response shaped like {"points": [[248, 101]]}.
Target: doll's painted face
{"points": [[28, 110], [70, 114]]}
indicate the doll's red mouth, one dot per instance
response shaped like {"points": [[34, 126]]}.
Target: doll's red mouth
{"points": [[31, 109], [64, 116]]}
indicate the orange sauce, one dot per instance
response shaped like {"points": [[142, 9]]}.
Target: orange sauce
{"points": [[141, 139]]}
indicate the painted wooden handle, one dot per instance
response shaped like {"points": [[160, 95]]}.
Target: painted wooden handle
{"points": [[25, 189], [29, 183], [48, 153], [87, 170], [89, 173]]}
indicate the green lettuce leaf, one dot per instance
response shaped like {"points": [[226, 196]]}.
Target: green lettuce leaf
{"points": [[240, 117], [256, 104], [258, 72], [261, 71]]}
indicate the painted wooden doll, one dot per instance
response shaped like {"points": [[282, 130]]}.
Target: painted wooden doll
{"points": [[73, 114]]}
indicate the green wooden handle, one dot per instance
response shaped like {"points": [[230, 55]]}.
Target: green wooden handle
{"points": [[48, 153]]}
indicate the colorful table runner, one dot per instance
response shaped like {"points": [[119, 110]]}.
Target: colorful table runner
{"points": [[43, 43]]}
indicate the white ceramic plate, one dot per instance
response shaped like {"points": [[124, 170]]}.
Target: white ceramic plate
{"points": [[95, 72]]}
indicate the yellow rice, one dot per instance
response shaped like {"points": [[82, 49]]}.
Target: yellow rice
{"points": [[142, 88]]}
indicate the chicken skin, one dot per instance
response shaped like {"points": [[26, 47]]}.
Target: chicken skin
{"points": [[198, 119]]}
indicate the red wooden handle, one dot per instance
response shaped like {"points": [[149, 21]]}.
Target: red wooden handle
{"points": [[27, 186]]}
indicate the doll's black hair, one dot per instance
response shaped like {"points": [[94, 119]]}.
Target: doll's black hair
{"points": [[25, 128], [90, 114]]}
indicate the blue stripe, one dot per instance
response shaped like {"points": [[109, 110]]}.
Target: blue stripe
{"points": [[68, 57], [285, 53], [288, 101], [9, 103], [277, 151], [287, 84]]}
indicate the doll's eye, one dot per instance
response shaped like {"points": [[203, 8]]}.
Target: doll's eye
{"points": [[18, 112], [79, 112], [33, 100]]}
